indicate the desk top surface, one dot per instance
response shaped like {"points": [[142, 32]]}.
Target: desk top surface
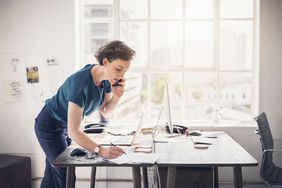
{"points": [[64, 159], [224, 151]]}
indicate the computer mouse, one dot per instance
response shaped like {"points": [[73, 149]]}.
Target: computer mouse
{"points": [[77, 152], [195, 133], [94, 130]]}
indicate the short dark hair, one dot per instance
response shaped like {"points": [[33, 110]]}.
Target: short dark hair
{"points": [[114, 50]]}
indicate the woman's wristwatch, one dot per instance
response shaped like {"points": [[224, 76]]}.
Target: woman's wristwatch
{"points": [[97, 149]]}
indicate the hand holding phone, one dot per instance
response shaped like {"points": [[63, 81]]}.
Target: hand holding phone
{"points": [[118, 87], [118, 83]]}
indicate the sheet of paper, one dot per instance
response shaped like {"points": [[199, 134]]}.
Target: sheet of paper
{"points": [[131, 157], [144, 150], [121, 131]]}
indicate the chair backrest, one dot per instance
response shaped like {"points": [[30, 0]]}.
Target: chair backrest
{"points": [[264, 132], [271, 174]]}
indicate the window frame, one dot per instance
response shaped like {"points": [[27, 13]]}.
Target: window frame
{"points": [[149, 69]]}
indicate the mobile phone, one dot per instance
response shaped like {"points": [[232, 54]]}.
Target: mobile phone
{"points": [[117, 83]]}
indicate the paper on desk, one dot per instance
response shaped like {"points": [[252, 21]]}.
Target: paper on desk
{"points": [[144, 150], [119, 131], [131, 157]]}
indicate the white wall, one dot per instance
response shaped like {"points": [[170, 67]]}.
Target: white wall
{"points": [[271, 63], [34, 30]]}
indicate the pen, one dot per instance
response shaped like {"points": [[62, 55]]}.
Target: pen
{"points": [[211, 136], [116, 146]]}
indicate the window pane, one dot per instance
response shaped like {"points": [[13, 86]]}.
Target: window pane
{"points": [[134, 99], [160, 46], [135, 34], [236, 8], [165, 9], [91, 46], [99, 9], [99, 30], [199, 8], [128, 9], [199, 44], [200, 96], [95, 35], [157, 91], [236, 96], [236, 45], [166, 44]]}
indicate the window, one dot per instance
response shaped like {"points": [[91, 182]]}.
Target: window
{"points": [[205, 48]]}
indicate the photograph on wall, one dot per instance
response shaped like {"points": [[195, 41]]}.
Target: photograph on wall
{"points": [[32, 74]]}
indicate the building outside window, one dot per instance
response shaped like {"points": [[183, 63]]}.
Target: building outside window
{"points": [[204, 48]]}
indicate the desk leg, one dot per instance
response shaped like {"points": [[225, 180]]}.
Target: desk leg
{"points": [[171, 175], [93, 177], [136, 177], [237, 172], [70, 179], [215, 177], [145, 177]]}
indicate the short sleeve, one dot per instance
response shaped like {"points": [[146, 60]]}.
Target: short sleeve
{"points": [[79, 100], [75, 93]]}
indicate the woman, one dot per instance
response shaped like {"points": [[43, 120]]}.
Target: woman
{"points": [[91, 88]]}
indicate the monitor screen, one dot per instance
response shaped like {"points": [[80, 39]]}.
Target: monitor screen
{"points": [[167, 107]]}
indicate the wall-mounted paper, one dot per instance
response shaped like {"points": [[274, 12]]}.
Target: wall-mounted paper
{"points": [[14, 63], [13, 91], [32, 74]]}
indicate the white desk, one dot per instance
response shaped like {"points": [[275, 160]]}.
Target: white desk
{"points": [[223, 152]]}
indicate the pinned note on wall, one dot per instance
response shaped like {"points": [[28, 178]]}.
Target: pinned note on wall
{"points": [[13, 91]]}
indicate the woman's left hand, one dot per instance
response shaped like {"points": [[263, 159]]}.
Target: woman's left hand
{"points": [[118, 89]]}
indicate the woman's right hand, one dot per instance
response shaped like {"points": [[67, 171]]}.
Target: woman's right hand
{"points": [[110, 152]]}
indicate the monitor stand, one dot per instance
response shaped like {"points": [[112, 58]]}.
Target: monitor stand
{"points": [[174, 135]]}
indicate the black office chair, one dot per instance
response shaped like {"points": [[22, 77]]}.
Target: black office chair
{"points": [[271, 174]]}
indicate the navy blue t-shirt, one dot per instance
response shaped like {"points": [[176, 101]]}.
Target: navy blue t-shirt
{"points": [[80, 89]]}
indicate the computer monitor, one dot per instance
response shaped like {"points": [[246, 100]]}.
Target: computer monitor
{"points": [[167, 107]]}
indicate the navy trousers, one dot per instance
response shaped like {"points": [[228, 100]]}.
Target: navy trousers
{"points": [[53, 138]]}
